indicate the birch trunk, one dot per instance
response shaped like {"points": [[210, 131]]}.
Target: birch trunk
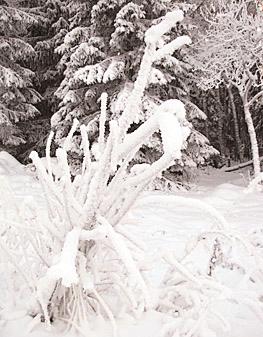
{"points": [[253, 139], [251, 130]]}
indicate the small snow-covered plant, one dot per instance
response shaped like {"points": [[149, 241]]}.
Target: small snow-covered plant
{"points": [[195, 295], [196, 286], [91, 263], [194, 299]]}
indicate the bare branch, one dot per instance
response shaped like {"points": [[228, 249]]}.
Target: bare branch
{"points": [[253, 100]]}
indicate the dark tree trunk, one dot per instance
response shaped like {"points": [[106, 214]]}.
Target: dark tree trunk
{"points": [[221, 115], [236, 125]]}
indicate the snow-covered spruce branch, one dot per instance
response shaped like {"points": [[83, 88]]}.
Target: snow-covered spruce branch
{"points": [[90, 258]]}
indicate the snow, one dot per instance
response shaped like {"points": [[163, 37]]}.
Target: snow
{"points": [[66, 267], [19, 179], [103, 117], [174, 106], [172, 135], [9, 165], [155, 32], [164, 223], [170, 114]]}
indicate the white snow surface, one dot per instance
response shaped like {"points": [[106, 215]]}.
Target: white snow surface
{"points": [[161, 226]]}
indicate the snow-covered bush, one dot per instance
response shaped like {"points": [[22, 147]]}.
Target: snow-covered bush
{"points": [[89, 264]]}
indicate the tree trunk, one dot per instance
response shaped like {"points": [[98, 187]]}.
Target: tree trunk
{"points": [[251, 128], [204, 107], [221, 116], [253, 138], [236, 126]]}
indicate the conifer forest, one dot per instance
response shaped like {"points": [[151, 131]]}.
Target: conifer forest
{"points": [[131, 168]]}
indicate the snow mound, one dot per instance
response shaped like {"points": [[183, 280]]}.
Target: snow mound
{"points": [[225, 195], [19, 181], [228, 192], [9, 165]]}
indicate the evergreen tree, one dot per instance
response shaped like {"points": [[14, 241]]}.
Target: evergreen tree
{"points": [[102, 52], [46, 33], [17, 94], [51, 28]]}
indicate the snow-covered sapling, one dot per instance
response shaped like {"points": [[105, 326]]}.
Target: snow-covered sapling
{"points": [[94, 270]]}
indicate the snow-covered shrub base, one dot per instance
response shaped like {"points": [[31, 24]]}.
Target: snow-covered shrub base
{"points": [[95, 259]]}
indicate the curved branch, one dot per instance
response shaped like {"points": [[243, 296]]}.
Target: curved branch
{"points": [[253, 100]]}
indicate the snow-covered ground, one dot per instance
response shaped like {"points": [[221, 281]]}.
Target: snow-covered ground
{"points": [[163, 223]]}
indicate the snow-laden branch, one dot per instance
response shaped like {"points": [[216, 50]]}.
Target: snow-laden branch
{"points": [[171, 47], [66, 267], [151, 54], [154, 33], [242, 165], [101, 139]]}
